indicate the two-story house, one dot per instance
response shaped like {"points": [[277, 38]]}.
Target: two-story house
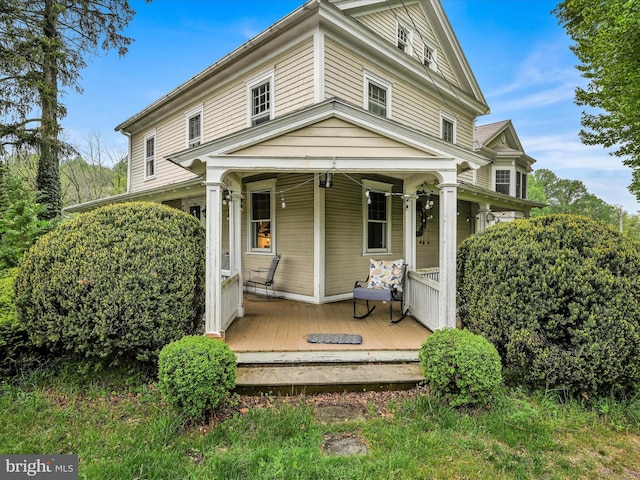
{"points": [[344, 132]]}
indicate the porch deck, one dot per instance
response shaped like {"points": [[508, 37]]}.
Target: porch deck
{"points": [[280, 326]]}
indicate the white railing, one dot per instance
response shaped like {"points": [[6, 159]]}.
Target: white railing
{"points": [[231, 292], [423, 294]]}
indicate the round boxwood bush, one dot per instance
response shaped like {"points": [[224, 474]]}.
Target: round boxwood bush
{"points": [[559, 297], [195, 373], [461, 366], [115, 284]]}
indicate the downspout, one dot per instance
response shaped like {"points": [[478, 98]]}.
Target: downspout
{"points": [[129, 150]]}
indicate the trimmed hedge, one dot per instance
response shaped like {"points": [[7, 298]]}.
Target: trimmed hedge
{"points": [[115, 284], [559, 297], [462, 367], [195, 374]]}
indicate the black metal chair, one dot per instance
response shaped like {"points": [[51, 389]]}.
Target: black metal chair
{"points": [[381, 292], [264, 277]]}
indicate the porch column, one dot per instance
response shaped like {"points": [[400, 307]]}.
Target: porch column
{"points": [[235, 237], [448, 223], [483, 211], [410, 232], [213, 303]]}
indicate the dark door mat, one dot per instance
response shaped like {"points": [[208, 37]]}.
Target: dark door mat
{"points": [[341, 338]]}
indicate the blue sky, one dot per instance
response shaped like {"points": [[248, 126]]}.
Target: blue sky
{"points": [[517, 50]]}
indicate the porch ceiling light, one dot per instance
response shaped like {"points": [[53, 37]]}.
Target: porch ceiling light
{"points": [[326, 180]]}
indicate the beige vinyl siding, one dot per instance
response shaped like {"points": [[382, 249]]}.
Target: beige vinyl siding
{"points": [[343, 74], [293, 236], [384, 24], [410, 105], [345, 262], [484, 177], [313, 141], [294, 79], [428, 245], [465, 221], [466, 177]]}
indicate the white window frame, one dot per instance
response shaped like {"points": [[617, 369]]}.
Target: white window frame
{"points": [[372, 78], [511, 179], [377, 187], [444, 116], [521, 192], [257, 81], [265, 186], [433, 64], [150, 158], [197, 111], [408, 44]]}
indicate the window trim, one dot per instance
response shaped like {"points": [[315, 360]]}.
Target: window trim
{"points": [[188, 116], [150, 136], [433, 65], [264, 186], [258, 80], [379, 187], [495, 183], [372, 78], [521, 192], [409, 43], [444, 116]]}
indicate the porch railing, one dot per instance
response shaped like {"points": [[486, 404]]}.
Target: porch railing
{"points": [[231, 292], [423, 293]]}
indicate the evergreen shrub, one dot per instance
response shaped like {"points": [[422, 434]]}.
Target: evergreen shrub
{"points": [[559, 297], [115, 284], [462, 367], [195, 374], [16, 350]]}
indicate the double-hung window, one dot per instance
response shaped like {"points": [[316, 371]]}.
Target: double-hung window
{"points": [[429, 57], [150, 155], [261, 216], [447, 127], [521, 185], [260, 98], [503, 181], [377, 95], [377, 216], [194, 127], [404, 37]]}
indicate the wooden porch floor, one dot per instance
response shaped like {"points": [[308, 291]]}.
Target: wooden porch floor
{"points": [[283, 326]]}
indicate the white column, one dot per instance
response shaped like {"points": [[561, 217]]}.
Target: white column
{"points": [[483, 222], [448, 223], [235, 237], [319, 258], [410, 232], [213, 305]]}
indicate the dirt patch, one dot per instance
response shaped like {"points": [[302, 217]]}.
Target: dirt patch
{"points": [[338, 414], [344, 445]]}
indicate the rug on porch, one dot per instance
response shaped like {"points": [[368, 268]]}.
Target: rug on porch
{"points": [[342, 338]]}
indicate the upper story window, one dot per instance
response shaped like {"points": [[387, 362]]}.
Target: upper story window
{"points": [[447, 127], [503, 181], [377, 95], [194, 127], [377, 217], [521, 185], [260, 98], [261, 196], [404, 37], [429, 57], [150, 155]]}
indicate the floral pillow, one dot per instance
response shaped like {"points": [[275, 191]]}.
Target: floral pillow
{"points": [[386, 274]]}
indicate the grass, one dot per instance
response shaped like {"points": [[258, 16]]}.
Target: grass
{"points": [[121, 429]]}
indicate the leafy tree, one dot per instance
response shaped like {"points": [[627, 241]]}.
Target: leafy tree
{"points": [[607, 43], [567, 196], [43, 46]]}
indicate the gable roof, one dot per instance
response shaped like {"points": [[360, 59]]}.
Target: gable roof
{"points": [[334, 16], [488, 140]]}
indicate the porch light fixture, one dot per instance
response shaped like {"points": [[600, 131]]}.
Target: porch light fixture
{"points": [[282, 204], [325, 180], [368, 195]]}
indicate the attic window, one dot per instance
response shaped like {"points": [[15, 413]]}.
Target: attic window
{"points": [[194, 127], [447, 127], [404, 38], [429, 57]]}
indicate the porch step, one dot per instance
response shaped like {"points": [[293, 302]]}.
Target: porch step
{"points": [[327, 356], [291, 380]]}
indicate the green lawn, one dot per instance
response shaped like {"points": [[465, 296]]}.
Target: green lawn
{"points": [[121, 429]]}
